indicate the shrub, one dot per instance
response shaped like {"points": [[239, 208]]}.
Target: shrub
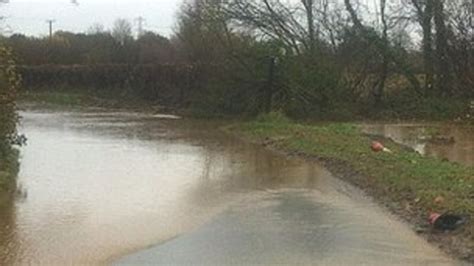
{"points": [[9, 84]]}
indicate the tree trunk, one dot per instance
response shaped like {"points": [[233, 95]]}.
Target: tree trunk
{"points": [[308, 5], [268, 96], [379, 90], [426, 24], [381, 48], [442, 60]]}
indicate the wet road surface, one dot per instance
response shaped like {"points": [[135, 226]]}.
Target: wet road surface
{"points": [[98, 186], [295, 227]]}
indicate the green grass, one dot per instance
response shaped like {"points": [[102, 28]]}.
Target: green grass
{"points": [[404, 176], [76, 98]]}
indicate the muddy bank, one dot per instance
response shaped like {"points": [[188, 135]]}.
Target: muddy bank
{"points": [[402, 201]]}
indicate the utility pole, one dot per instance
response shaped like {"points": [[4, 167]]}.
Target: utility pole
{"points": [[50, 22], [140, 21]]}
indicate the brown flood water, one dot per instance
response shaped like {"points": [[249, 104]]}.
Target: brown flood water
{"points": [[416, 136], [97, 185]]}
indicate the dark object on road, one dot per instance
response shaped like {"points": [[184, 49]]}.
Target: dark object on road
{"points": [[446, 222]]}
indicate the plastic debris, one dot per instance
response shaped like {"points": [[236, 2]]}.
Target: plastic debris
{"points": [[378, 147], [446, 222]]}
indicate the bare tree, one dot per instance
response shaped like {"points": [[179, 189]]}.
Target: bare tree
{"points": [[379, 91], [443, 65], [296, 24], [122, 31], [309, 9], [424, 16], [461, 43], [382, 47], [96, 28]]}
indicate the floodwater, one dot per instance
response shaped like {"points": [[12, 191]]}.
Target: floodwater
{"points": [[453, 142], [98, 185]]}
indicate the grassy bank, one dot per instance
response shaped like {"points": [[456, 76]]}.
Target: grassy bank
{"points": [[57, 98], [405, 181], [412, 109], [78, 98]]}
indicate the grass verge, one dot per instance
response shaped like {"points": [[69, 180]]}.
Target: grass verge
{"points": [[57, 98], [404, 181], [64, 99], [79, 99]]}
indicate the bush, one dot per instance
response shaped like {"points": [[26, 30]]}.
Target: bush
{"points": [[406, 105], [9, 83]]}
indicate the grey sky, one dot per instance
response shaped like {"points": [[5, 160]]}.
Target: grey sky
{"points": [[29, 16]]}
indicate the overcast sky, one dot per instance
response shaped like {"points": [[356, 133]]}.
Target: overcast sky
{"points": [[29, 16]]}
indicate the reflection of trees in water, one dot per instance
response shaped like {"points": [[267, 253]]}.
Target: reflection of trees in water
{"points": [[415, 136], [461, 151], [233, 166], [221, 168], [8, 237]]}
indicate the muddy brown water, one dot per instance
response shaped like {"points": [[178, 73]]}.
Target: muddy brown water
{"points": [[453, 142], [98, 185]]}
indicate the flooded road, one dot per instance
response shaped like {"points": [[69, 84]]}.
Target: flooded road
{"points": [[452, 142], [96, 185]]}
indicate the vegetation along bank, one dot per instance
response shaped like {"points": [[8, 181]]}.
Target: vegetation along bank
{"points": [[9, 84]]}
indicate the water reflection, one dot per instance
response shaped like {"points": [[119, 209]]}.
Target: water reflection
{"points": [[7, 230], [416, 136], [101, 184], [97, 185]]}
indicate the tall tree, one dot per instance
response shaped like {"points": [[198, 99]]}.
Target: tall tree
{"points": [[424, 16], [381, 46], [379, 90], [443, 64], [96, 28], [309, 8], [122, 31]]}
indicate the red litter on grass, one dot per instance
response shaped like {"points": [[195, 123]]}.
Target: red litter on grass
{"points": [[378, 147]]}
